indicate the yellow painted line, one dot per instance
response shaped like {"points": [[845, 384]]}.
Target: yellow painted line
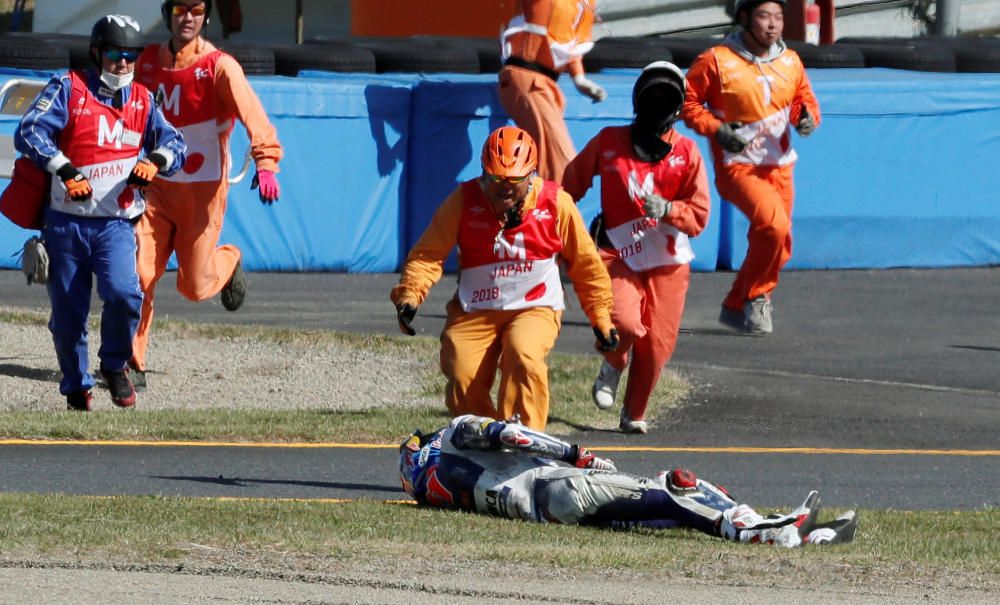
{"points": [[692, 450], [320, 445]]}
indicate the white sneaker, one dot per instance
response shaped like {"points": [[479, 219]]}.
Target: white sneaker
{"points": [[606, 386], [627, 425]]}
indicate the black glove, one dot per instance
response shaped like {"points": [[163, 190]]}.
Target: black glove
{"points": [[806, 124], [405, 313], [727, 137], [606, 343], [77, 185]]}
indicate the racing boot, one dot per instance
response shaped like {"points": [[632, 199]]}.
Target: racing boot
{"points": [[839, 531], [744, 524]]}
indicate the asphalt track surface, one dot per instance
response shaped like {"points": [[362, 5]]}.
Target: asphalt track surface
{"points": [[879, 388]]}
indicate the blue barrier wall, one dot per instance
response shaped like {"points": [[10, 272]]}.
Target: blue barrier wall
{"points": [[899, 174]]}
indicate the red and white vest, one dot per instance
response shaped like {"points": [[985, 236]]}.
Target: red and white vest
{"points": [[641, 242], [189, 104], [513, 268], [104, 144]]}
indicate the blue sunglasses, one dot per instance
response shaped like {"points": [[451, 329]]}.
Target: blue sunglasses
{"points": [[115, 55]]}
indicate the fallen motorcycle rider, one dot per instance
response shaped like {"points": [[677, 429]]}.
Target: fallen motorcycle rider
{"points": [[508, 470]]}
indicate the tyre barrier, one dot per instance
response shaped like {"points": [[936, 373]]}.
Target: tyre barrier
{"points": [[289, 59], [255, 60], [444, 54], [915, 54], [828, 56], [32, 52], [412, 55], [625, 52]]}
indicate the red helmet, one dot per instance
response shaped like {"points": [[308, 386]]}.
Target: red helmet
{"points": [[510, 152]]}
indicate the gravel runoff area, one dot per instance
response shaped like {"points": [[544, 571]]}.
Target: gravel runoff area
{"points": [[245, 373], [236, 371], [417, 581]]}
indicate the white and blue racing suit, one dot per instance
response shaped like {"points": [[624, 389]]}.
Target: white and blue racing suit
{"points": [[508, 470]]}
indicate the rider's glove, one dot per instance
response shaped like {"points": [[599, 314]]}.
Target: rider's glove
{"points": [[268, 183], [583, 458], [589, 88], [655, 206], [405, 312], [77, 185], [727, 137]]}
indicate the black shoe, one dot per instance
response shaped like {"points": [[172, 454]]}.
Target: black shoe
{"points": [[733, 319], [138, 377], [122, 391], [79, 400], [235, 290]]}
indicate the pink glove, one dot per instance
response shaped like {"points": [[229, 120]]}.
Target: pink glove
{"points": [[268, 183]]}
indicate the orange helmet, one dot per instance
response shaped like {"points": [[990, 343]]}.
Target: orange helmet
{"points": [[511, 152]]}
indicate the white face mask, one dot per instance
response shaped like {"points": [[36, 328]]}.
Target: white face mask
{"points": [[116, 82]]}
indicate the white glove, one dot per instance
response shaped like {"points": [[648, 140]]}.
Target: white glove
{"points": [[656, 207], [590, 88], [35, 261]]}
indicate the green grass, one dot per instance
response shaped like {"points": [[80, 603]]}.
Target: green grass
{"points": [[157, 530], [570, 379]]}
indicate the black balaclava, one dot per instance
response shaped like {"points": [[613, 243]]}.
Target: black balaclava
{"points": [[657, 103]]}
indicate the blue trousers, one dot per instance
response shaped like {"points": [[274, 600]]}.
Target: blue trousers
{"points": [[80, 248]]}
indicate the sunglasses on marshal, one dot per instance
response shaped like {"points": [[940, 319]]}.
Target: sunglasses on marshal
{"points": [[179, 10], [513, 180], [115, 55]]}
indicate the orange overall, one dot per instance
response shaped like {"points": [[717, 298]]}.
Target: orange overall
{"points": [[204, 92], [767, 98], [508, 307], [649, 261], [549, 37]]}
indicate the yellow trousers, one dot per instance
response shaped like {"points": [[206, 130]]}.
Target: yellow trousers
{"points": [[475, 344]]}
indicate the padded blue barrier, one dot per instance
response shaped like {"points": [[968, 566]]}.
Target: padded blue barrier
{"points": [[342, 185], [453, 115], [901, 173]]}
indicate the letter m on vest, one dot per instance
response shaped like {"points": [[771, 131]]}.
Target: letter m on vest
{"points": [[510, 251], [639, 191], [107, 134], [172, 100]]}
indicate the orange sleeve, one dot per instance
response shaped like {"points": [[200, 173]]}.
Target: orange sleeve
{"points": [[533, 47], [691, 209], [804, 97], [702, 86], [235, 94], [425, 263], [579, 174], [583, 264]]}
